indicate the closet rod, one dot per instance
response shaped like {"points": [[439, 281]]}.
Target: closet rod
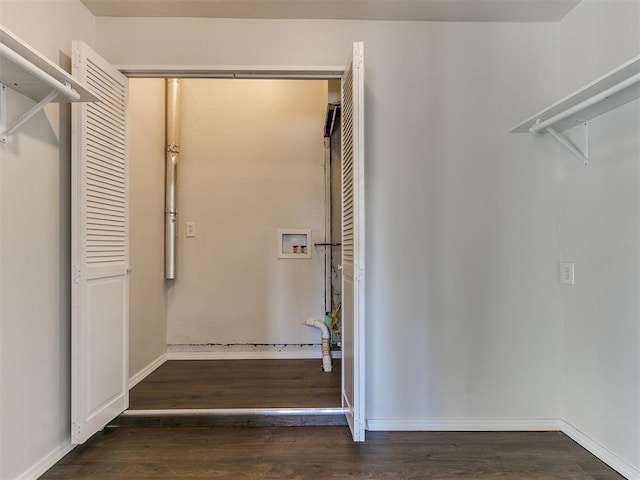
{"points": [[26, 65], [543, 125]]}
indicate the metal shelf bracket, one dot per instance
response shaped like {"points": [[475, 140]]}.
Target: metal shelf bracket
{"points": [[29, 73], [27, 116], [581, 154], [3, 106], [618, 87]]}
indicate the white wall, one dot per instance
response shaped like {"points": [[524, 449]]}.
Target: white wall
{"points": [[600, 232], [466, 223], [251, 162], [34, 251], [147, 292], [464, 311]]}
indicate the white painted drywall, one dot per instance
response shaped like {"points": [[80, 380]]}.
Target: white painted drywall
{"points": [[34, 251], [438, 324], [464, 312], [251, 163], [600, 232], [147, 292]]}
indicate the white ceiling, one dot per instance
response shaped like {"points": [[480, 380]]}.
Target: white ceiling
{"points": [[424, 10]]}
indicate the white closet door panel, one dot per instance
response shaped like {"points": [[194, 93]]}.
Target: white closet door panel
{"points": [[100, 256], [353, 301]]}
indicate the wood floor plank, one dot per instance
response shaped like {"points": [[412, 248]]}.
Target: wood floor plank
{"points": [[234, 420], [238, 384], [326, 453], [172, 451]]}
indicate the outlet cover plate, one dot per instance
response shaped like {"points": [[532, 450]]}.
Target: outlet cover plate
{"points": [[567, 273], [191, 229]]}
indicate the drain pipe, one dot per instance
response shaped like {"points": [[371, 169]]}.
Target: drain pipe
{"points": [[172, 153], [326, 352]]}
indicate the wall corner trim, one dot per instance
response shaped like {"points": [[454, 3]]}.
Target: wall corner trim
{"points": [[48, 461], [146, 371], [623, 467]]}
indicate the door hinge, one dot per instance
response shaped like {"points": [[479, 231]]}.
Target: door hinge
{"points": [[76, 274], [75, 430], [358, 60], [77, 61], [358, 271]]}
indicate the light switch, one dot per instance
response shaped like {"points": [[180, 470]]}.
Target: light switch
{"points": [[191, 229]]}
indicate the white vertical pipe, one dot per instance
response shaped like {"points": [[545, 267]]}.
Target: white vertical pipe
{"points": [[172, 154], [326, 335]]}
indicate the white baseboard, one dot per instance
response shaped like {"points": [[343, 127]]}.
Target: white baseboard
{"points": [[288, 352], [607, 456], [146, 371], [463, 424], [245, 355], [46, 462], [49, 460], [507, 424]]}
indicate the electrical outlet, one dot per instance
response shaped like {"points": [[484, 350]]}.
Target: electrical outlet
{"points": [[191, 229], [567, 273]]}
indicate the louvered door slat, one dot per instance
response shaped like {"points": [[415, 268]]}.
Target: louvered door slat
{"points": [[103, 140], [100, 155], [105, 123], [99, 199], [107, 178]]}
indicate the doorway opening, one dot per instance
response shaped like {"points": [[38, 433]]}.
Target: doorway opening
{"points": [[101, 243], [258, 157]]}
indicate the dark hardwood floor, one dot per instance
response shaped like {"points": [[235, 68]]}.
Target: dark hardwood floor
{"points": [[325, 453], [238, 384], [167, 449]]}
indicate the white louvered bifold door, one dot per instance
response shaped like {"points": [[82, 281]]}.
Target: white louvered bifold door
{"points": [[100, 257], [353, 301]]}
